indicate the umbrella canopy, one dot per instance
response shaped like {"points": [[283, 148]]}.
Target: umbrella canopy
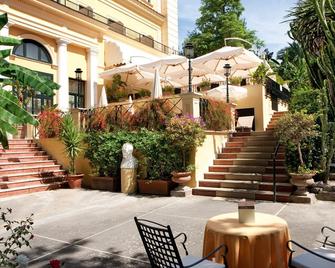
{"points": [[157, 91], [239, 59], [198, 75], [235, 93], [131, 74], [166, 66], [103, 98]]}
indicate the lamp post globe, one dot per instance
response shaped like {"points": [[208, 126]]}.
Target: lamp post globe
{"points": [[78, 72], [189, 53]]}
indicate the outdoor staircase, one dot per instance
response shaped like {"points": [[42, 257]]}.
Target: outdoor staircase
{"points": [[25, 168], [244, 169]]}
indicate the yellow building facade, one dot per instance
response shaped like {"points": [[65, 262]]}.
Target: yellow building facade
{"points": [[90, 36]]}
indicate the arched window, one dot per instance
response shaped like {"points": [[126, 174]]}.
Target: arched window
{"points": [[32, 50]]}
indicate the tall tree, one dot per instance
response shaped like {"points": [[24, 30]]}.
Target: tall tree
{"points": [[221, 19]]}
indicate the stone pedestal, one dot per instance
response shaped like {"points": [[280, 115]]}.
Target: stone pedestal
{"points": [[191, 104], [128, 181], [182, 191]]}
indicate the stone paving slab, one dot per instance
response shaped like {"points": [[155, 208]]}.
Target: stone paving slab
{"points": [[96, 229]]}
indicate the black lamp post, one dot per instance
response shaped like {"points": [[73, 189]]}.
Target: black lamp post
{"points": [[227, 70], [78, 72], [189, 53]]}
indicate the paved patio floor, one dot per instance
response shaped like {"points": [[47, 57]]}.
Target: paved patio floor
{"points": [[87, 228]]}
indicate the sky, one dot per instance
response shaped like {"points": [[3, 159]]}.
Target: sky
{"points": [[264, 16]]}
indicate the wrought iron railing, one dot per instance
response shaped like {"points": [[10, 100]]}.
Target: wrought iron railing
{"points": [[123, 114], [116, 26], [274, 172]]}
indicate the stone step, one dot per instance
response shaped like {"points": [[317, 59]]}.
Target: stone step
{"points": [[32, 175], [20, 150], [236, 184], [42, 163], [241, 193], [248, 162], [261, 143], [267, 149], [31, 189], [241, 134], [259, 155], [20, 141], [21, 145], [30, 182], [23, 159], [234, 144], [232, 150], [279, 169], [237, 169], [227, 155], [19, 170], [253, 185], [262, 133], [233, 176], [279, 177], [18, 154]]}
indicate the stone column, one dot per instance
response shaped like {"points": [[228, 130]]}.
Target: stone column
{"points": [[63, 79], [92, 77], [191, 104]]}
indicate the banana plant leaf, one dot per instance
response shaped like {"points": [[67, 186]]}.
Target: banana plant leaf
{"points": [[11, 114], [28, 78]]}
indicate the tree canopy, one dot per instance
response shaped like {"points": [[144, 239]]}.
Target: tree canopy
{"points": [[221, 19]]}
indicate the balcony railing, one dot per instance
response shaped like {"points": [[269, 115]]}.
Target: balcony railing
{"points": [[277, 91], [116, 26]]}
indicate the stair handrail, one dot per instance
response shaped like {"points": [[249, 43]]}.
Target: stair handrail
{"points": [[274, 179]]}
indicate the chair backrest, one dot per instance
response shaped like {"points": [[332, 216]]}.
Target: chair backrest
{"points": [[245, 121], [159, 244]]}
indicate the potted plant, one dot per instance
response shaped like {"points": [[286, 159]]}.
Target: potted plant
{"points": [[102, 153], [186, 134], [294, 128], [205, 84], [235, 80], [72, 139], [168, 90]]}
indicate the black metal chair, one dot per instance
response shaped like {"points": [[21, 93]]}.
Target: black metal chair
{"points": [[320, 257], [162, 250]]}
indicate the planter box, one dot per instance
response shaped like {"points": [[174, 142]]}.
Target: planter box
{"points": [[155, 187], [105, 183]]}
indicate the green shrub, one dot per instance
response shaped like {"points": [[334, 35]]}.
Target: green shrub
{"points": [[217, 115], [168, 90], [235, 80], [205, 84], [144, 93]]}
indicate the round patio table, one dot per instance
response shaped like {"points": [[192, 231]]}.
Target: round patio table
{"points": [[261, 244]]}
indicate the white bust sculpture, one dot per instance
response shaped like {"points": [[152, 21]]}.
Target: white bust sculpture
{"points": [[128, 161]]}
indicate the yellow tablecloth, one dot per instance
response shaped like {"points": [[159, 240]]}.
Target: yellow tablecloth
{"points": [[261, 244]]}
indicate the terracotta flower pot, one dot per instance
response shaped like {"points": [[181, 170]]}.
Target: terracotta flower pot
{"points": [[301, 181], [181, 177], [75, 180], [105, 183]]}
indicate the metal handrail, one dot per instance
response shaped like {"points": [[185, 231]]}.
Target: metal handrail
{"points": [[120, 28], [274, 179]]}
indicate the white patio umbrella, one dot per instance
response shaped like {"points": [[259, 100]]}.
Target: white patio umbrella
{"points": [[157, 91], [166, 66], [131, 106], [130, 73], [235, 93], [103, 98], [239, 59], [198, 75]]}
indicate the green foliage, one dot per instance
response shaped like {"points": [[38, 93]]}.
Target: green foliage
{"points": [[306, 99], [118, 90], [205, 84], [294, 128], [11, 111], [217, 115], [143, 93], [72, 139], [235, 80], [17, 234], [11, 114], [157, 156], [259, 76], [185, 134], [220, 19], [168, 90]]}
